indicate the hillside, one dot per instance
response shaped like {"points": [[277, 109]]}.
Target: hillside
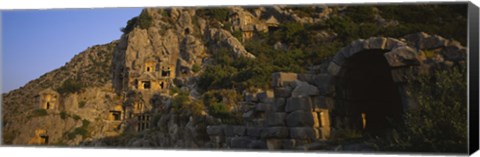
{"points": [[273, 77]]}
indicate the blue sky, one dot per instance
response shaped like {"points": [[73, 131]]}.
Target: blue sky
{"points": [[35, 42]]}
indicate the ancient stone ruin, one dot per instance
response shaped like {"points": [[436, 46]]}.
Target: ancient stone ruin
{"points": [[48, 99], [363, 88], [296, 112], [40, 137]]}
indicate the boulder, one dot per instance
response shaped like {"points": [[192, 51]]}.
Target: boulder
{"points": [[299, 119], [402, 56], [454, 53], [423, 40], [226, 39], [298, 103]]}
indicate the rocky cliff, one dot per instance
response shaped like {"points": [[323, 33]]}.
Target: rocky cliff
{"points": [[233, 77]]}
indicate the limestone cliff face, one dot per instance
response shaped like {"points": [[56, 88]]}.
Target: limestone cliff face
{"points": [[126, 93], [23, 112]]}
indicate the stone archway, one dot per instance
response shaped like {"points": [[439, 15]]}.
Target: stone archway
{"points": [[367, 84]]}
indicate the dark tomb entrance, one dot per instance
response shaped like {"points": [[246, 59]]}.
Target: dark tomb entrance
{"points": [[146, 84], [371, 98], [44, 139]]}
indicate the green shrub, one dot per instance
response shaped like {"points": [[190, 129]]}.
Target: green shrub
{"points": [[174, 90], [81, 104], [39, 113], [238, 35], [439, 122], [219, 14], [219, 110], [181, 100], [130, 25], [70, 86], [78, 131], [85, 123], [196, 68], [63, 115], [184, 104], [82, 130], [144, 20], [76, 117]]}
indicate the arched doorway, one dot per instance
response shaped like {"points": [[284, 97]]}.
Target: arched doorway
{"points": [[367, 81], [371, 98]]}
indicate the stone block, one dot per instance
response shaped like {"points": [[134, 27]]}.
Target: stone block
{"points": [[339, 58], [248, 114], [298, 103], [323, 83], [213, 130], [280, 79], [333, 68], [393, 43], [375, 43], [279, 105], [239, 130], [265, 97], [304, 89], [275, 132], [402, 56], [283, 92], [303, 133], [354, 47], [274, 144], [289, 144], [228, 130], [217, 139], [257, 144], [276, 118], [240, 142], [309, 78], [318, 103], [299, 119], [254, 131], [263, 107], [259, 122]]}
